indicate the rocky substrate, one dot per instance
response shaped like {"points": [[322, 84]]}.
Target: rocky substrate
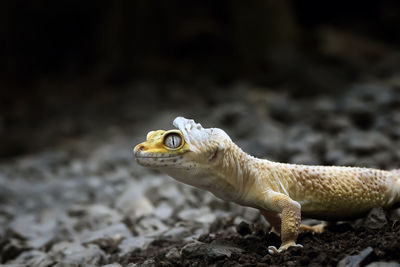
{"points": [[85, 202]]}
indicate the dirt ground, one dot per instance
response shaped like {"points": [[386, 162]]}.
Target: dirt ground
{"points": [[369, 242]]}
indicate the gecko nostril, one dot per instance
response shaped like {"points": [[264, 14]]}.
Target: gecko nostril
{"points": [[138, 149]]}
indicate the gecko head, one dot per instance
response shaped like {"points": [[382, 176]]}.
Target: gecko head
{"points": [[183, 152]]}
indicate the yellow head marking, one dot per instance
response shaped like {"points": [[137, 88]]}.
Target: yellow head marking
{"points": [[163, 142]]}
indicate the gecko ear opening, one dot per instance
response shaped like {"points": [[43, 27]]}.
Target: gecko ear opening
{"points": [[216, 154], [213, 156]]}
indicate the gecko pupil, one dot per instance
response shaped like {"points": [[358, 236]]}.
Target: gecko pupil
{"points": [[173, 140]]}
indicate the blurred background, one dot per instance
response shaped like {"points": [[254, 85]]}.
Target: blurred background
{"points": [[72, 67]]}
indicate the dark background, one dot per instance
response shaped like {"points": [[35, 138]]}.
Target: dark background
{"points": [[71, 67]]}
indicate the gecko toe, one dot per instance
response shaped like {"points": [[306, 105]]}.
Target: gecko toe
{"points": [[272, 250]]}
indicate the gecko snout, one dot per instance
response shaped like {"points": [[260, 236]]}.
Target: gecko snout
{"points": [[139, 148]]}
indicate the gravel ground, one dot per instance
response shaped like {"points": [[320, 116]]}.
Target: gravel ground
{"points": [[85, 202]]}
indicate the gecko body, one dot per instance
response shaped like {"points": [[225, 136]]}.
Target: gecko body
{"points": [[208, 159]]}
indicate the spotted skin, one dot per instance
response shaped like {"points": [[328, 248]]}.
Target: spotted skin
{"points": [[208, 159]]}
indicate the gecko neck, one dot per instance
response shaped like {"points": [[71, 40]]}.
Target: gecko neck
{"points": [[237, 168]]}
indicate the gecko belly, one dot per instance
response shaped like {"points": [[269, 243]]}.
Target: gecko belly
{"points": [[336, 210]]}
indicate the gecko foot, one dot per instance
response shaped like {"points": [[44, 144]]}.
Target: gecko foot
{"points": [[315, 229], [273, 250]]}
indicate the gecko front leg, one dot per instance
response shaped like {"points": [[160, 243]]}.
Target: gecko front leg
{"points": [[274, 219], [290, 219]]}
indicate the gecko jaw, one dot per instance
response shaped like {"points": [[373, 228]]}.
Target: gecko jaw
{"points": [[154, 160], [139, 155]]}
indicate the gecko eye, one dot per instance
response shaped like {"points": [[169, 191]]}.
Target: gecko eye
{"points": [[173, 140]]}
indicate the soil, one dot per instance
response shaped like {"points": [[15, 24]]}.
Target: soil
{"points": [[326, 249]]}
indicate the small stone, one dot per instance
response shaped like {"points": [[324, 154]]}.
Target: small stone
{"points": [[262, 147], [131, 244], [142, 206], [237, 119], [95, 216], [169, 191], [112, 265], [376, 218], [304, 141], [107, 238], [73, 253], [149, 263], [38, 230], [366, 142], [202, 215], [335, 124], [133, 203], [163, 211], [179, 232], [150, 226], [173, 254], [282, 110], [33, 258], [250, 214], [356, 260]]}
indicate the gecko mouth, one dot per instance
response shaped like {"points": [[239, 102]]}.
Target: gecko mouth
{"points": [[156, 157], [171, 161], [140, 155], [152, 159]]}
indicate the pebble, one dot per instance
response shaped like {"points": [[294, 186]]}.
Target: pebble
{"points": [[73, 253], [37, 229], [115, 264], [366, 142], [133, 203], [150, 226], [282, 111], [202, 215], [376, 219], [163, 211], [173, 254], [133, 243], [356, 260], [180, 231], [33, 258], [236, 119], [109, 236]]}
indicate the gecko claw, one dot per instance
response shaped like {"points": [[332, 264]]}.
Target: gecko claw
{"points": [[272, 250]]}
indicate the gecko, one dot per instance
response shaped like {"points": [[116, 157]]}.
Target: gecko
{"points": [[208, 159]]}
